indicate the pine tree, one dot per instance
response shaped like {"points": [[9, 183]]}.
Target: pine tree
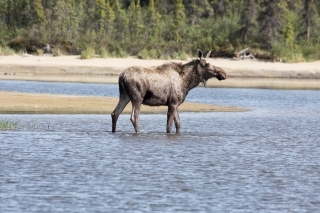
{"points": [[272, 18], [179, 19], [154, 21], [100, 15], [309, 16], [135, 20], [288, 31], [38, 8], [247, 19], [120, 24]]}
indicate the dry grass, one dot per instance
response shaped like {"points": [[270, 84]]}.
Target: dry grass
{"points": [[14, 102]]}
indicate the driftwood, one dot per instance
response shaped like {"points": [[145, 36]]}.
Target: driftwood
{"points": [[47, 48], [243, 55]]}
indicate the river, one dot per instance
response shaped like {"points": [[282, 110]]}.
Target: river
{"points": [[266, 159]]}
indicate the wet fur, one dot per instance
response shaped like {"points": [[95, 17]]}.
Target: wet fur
{"points": [[167, 85]]}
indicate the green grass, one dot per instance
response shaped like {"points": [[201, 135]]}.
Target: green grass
{"points": [[8, 125], [144, 54], [88, 53], [5, 50], [103, 53], [182, 55]]}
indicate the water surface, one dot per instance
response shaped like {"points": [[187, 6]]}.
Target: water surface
{"points": [[263, 160]]}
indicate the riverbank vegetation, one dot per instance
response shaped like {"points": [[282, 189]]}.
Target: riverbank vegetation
{"points": [[273, 29]]}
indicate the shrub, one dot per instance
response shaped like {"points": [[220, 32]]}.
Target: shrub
{"points": [[88, 53]]}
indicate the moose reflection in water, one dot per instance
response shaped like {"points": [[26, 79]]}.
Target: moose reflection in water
{"points": [[167, 85]]}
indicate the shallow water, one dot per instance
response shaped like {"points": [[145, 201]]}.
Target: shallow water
{"points": [[263, 160]]}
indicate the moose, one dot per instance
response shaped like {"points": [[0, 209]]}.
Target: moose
{"points": [[165, 85]]}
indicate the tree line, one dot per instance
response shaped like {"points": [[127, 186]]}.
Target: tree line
{"points": [[287, 29]]}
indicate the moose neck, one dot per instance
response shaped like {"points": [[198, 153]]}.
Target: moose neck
{"points": [[191, 75]]}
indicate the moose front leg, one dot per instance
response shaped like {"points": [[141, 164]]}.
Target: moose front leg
{"points": [[173, 116]]}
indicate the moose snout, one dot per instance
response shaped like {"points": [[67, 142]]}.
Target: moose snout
{"points": [[222, 76]]}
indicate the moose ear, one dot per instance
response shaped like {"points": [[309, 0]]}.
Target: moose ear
{"points": [[200, 54], [208, 54]]}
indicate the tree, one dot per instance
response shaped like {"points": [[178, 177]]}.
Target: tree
{"points": [[247, 19], [288, 31], [120, 22], [135, 20], [39, 11], [271, 20], [153, 21], [179, 19], [309, 16]]}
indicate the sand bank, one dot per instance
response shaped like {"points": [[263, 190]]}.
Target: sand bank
{"points": [[15, 102]]}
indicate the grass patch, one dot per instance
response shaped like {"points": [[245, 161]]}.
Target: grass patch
{"points": [[287, 54], [5, 50], [144, 54], [40, 52], [103, 53], [56, 52], [165, 57], [154, 54], [88, 53], [8, 125], [310, 51], [182, 55]]}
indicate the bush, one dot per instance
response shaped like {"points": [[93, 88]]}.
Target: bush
{"points": [[88, 53]]}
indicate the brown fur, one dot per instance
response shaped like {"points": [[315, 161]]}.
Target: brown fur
{"points": [[167, 84]]}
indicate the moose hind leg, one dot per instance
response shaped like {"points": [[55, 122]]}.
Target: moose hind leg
{"points": [[135, 115], [176, 120], [124, 100], [170, 117]]}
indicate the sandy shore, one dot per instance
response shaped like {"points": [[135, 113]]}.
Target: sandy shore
{"points": [[245, 73], [15, 102]]}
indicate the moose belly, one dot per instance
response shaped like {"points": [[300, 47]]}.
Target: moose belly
{"points": [[153, 99]]}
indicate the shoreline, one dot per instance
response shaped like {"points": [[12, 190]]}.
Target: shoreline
{"points": [[241, 74]]}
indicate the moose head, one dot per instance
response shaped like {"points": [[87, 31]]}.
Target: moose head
{"points": [[208, 70]]}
